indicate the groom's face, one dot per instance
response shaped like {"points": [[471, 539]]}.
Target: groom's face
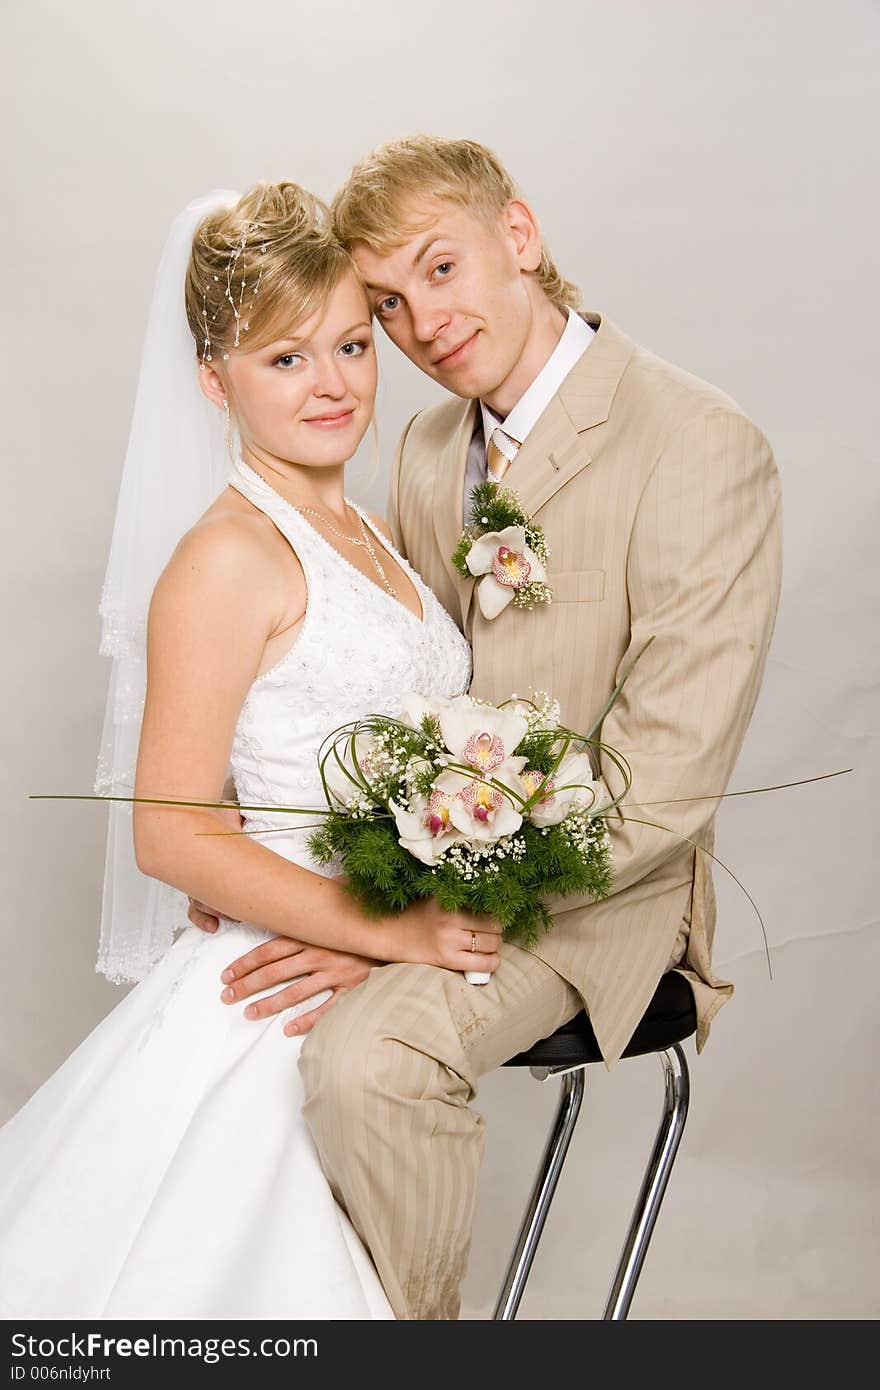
{"points": [[455, 297]]}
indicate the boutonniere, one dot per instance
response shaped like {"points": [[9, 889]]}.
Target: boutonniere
{"points": [[505, 550]]}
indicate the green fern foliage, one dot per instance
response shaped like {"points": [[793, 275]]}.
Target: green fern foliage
{"points": [[511, 883]]}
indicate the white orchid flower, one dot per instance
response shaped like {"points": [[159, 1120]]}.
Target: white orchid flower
{"points": [[426, 829], [506, 564], [484, 807], [571, 783], [413, 708], [482, 736]]}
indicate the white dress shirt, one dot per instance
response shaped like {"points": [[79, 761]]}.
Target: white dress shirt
{"points": [[576, 338]]}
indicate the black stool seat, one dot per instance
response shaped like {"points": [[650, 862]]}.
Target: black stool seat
{"points": [[670, 1017]]}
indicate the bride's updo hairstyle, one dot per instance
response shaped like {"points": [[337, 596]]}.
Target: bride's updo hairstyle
{"points": [[260, 267]]}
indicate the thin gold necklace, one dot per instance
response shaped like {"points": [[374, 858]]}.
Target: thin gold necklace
{"points": [[353, 540], [313, 511]]}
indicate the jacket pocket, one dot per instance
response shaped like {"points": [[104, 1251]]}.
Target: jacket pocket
{"points": [[577, 586]]}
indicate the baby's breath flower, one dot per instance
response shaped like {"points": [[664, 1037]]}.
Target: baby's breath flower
{"points": [[536, 591], [585, 832]]}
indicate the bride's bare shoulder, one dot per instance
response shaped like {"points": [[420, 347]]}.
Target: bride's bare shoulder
{"points": [[232, 544]]}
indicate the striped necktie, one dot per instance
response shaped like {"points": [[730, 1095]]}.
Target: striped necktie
{"points": [[499, 456]]}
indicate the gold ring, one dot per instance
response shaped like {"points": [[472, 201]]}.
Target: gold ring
{"points": [[473, 940]]}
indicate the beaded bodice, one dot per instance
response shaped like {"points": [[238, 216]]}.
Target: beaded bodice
{"points": [[358, 651]]}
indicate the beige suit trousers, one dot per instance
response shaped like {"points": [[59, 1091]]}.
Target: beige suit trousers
{"points": [[389, 1073]]}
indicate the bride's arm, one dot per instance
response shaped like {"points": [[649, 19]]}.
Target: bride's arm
{"points": [[210, 617]]}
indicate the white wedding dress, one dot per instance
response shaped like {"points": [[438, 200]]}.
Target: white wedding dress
{"points": [[165, 1170]]}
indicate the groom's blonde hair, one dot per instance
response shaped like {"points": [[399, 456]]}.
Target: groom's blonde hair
{"points": [[374, 205]]}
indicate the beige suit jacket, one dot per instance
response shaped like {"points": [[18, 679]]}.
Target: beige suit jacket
{"points": [[660, 503]]}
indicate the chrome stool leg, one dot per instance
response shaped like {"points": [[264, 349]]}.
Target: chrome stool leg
{"points": [[644, 1217], [542, 1195]]}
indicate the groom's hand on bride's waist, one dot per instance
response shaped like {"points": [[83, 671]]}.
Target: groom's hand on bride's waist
{"points": [[312, 969]]}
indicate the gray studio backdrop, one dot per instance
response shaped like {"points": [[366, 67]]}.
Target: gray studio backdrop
{"points": [[702, 170]]}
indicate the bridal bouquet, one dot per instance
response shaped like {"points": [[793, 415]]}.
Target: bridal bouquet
{"points": [[485, 807]]}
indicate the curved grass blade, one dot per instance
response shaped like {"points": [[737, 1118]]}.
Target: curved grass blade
{"points": [[597, 723], [636, 821], [171, 801], [752, 791]]}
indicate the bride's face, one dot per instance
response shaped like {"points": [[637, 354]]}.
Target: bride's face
{"points": [[308, 398]]}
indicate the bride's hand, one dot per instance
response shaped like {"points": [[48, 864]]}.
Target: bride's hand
{"points": [[311, 968], [425, 934], [202, 916]]}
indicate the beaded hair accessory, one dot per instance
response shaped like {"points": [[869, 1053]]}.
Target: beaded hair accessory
{"points": [[241, 324]]}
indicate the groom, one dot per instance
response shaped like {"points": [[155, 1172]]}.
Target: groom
{"points": [[660, 503]]}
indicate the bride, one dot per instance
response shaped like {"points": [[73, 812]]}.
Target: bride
{"points": [[165, 1170]]}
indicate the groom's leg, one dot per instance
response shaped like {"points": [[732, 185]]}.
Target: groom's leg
{"points": [[388, 1075]]}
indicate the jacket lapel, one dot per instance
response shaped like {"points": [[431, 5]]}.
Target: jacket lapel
{"points": [[555, 450], [450, 466]]}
